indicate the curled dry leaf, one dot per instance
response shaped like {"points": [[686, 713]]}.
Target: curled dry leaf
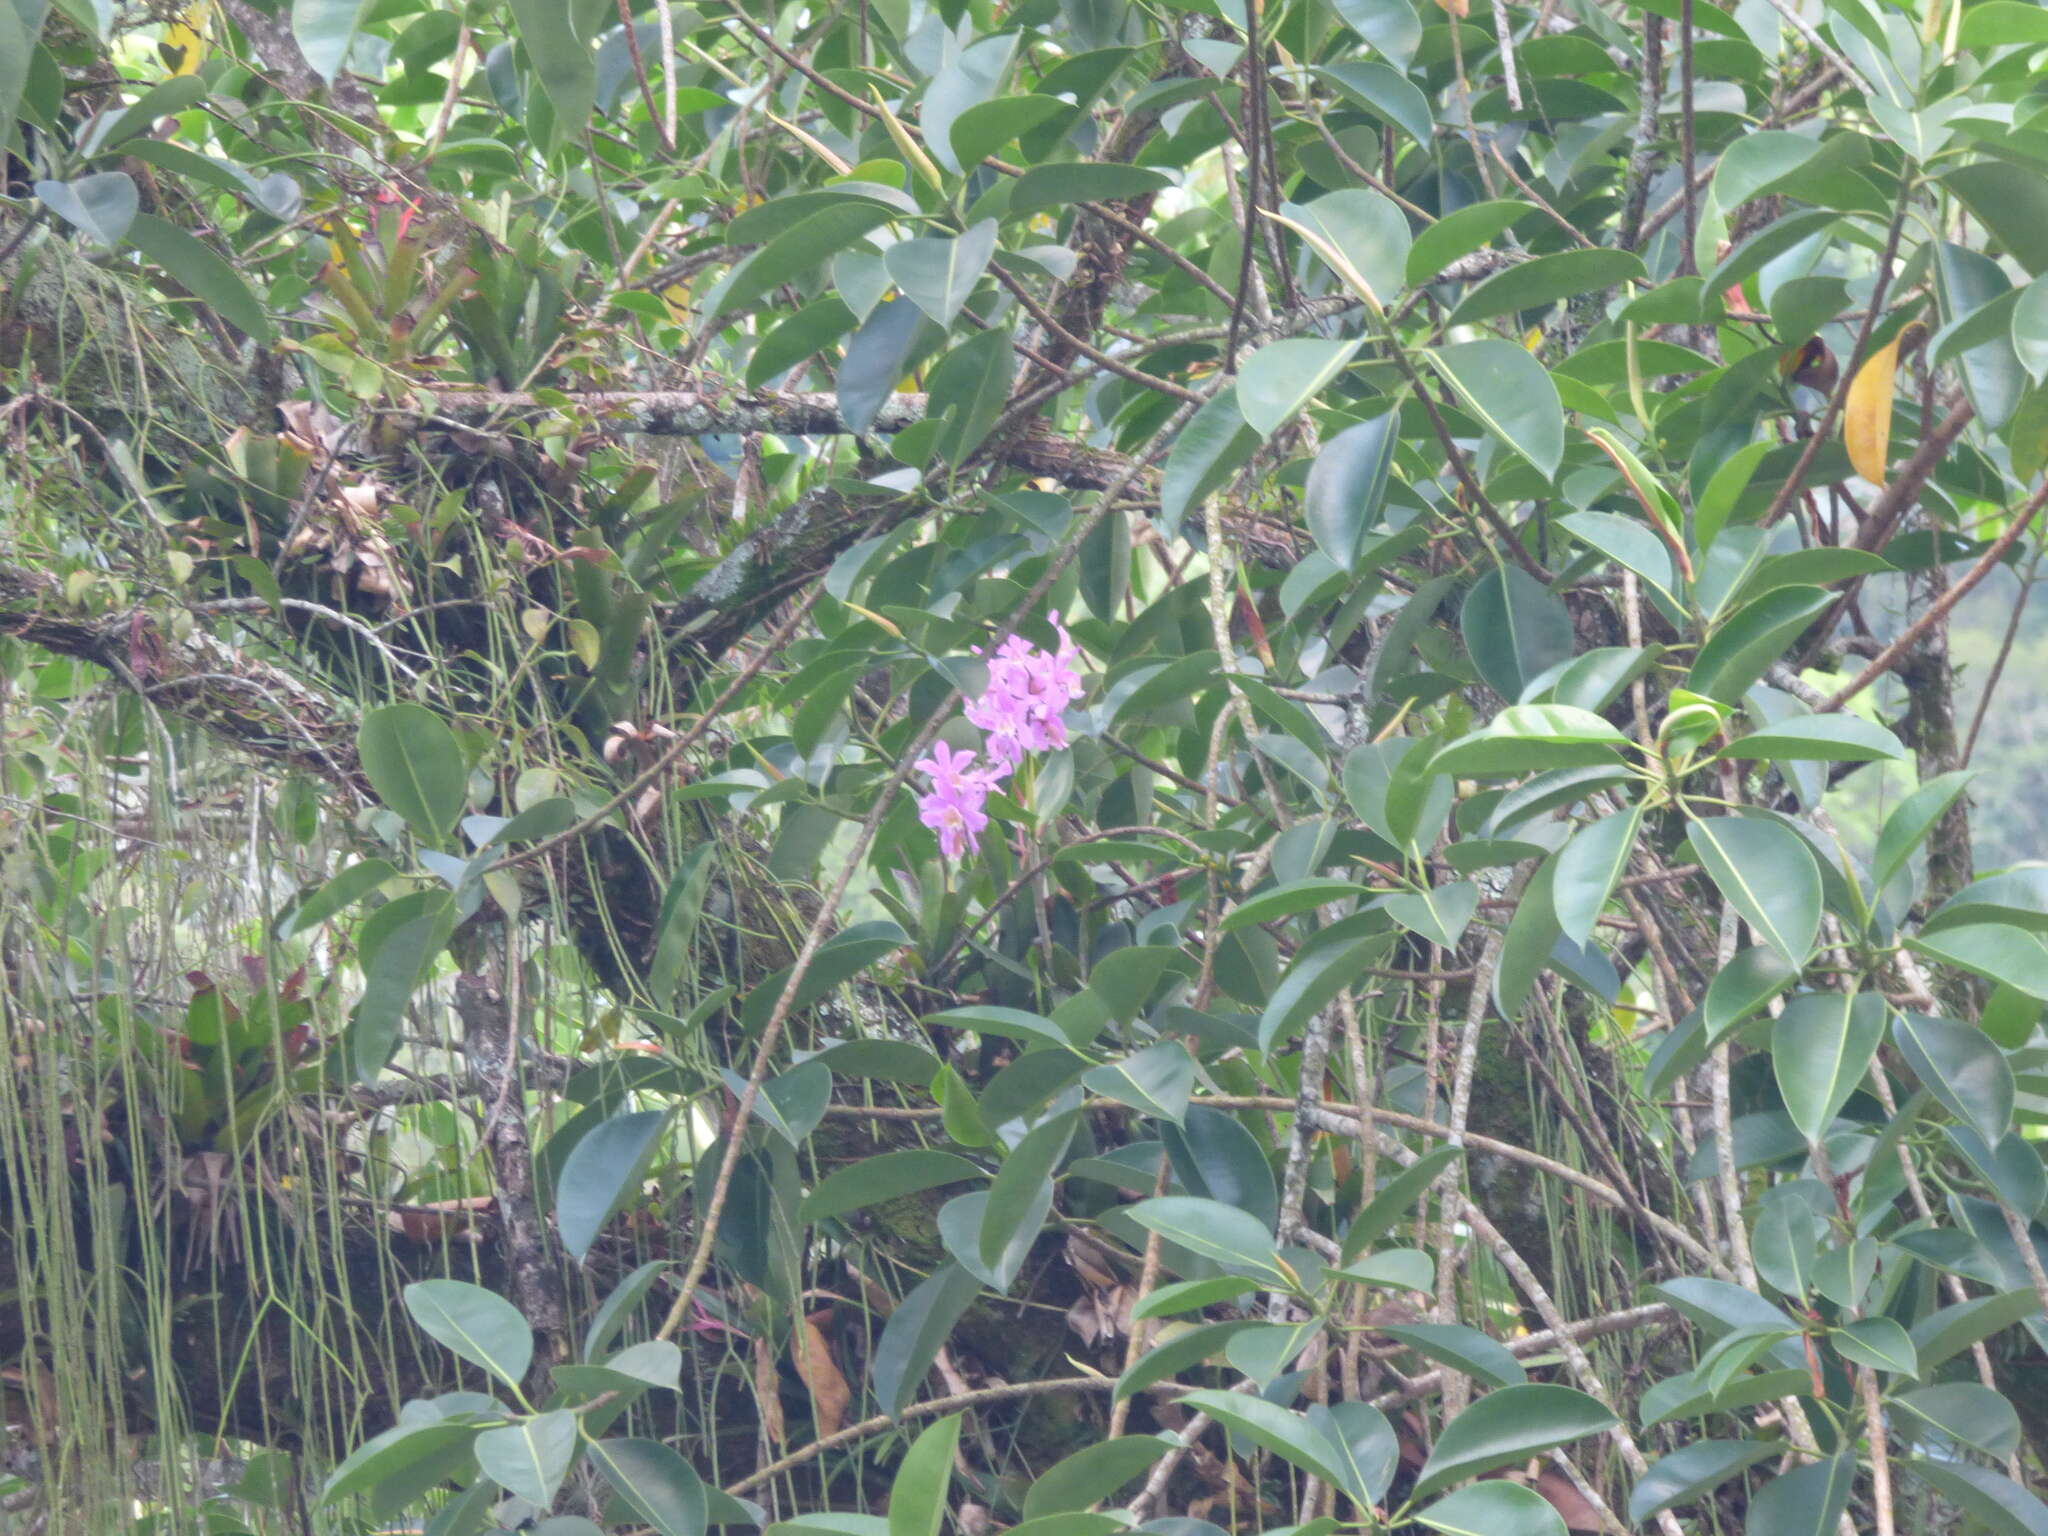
{"points": [[811, 1354]]}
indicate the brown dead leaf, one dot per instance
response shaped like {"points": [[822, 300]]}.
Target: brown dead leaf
{"points": [[767, 1392], [1577, 1510], [812, 1357]]}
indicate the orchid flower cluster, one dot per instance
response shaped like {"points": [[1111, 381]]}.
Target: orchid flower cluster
{"points": [[1018, 713]]}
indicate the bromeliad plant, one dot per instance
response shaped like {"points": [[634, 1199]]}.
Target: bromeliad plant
{"points": [[1072, 766]]}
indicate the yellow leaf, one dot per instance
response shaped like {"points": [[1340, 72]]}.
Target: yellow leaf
{"points": [[1867, 419], [182, 39], [583, 640], [909, 148]]}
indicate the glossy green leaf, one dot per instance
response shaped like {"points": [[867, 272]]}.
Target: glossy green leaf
{"points": [[1317, 975], [1515, 629], [1512, 396], [1532, 737], [1961, 1067], [1821, 1047], [1394, 1200], [1991, 1498], [1092, 1474], [916, 1330], [1387, 94], [389, 1455], [480, 1326], [917, 1498], [1021, 1194], [1907, 827], [656, 1483], [202, 273], [1999, 951], [1347, 488], [1211, 448], [562, 61], [325, 30], [804, 246], [414, 763], [1496, 1508], [1156, 1081], [1807, 1501], [1842, 738], [1544, 281], [1951, 1330], [1588, 868], [529, 1459], [603, 1171], [1745, 644], [1878, 1342], [938, 274], [1275, 382], [1459, 233], [1768, 874], [103, 204], [1509, 1426], [1463, 1349], [1234, 1238], [1961, 1411], [1183, 1351], [1360, 235], [1691, 1472], [1057, 186], [888, 1176], [1287, 1435]]}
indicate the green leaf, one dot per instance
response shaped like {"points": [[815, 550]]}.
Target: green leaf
{"points": [[805, 245], [1767, 872], [2012, 202], [603, 1170], [378, 1461], [2030, 330], [1362, 236], [1022, 1194], [1092, 1474], [1234, 1238], [917, 1498], [1363, 1448], [1347, 488], [103, 204], [1387, 94], [938, 275], [1460, 233], [414, 763], [1743, 646], [1878, 1342], [1961, 1067], [529, 1459], [1544, 281], [1906, 828], [915, 1331], [1821, 1047], [1318, 974], [325, 29], [483, 1328], [1526, 737], [1994, 1500], [1058, 186], [1440, 915], [1515, 629], [1285, 901], [1840, 738], [347, 888], [873, 1180], [1211, 448], [1964, 1412], [203, 273], [1390, 26], [21, 23], [1287, 1435], [1493, 1509], [1508, 1426], [1181, 1352], [1950, 1331], [1692, 1471], [1156, 1081], [1510, 394], [1393, 1269], [1275, 382], [656, 1483], [1999, 951], [562, 61], [1462, 1349], [1394, 1200], [398, 945], [1587, 869], [1807, 1501]]}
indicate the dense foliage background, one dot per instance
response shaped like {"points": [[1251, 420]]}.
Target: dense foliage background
{"points": [[1065, 765]]}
